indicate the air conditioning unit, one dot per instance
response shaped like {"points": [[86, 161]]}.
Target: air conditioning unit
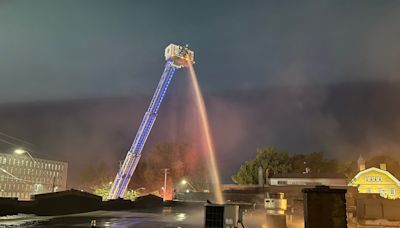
{"points": [[275, 205], [221, 216]]}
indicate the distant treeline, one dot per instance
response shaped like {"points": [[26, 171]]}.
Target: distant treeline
{"points": [[279, 161]]}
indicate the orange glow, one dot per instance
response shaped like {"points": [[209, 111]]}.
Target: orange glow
{"points": [[210, 146]]}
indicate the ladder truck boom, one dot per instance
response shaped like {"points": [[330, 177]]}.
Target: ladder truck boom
{"points": [[176, 57]]}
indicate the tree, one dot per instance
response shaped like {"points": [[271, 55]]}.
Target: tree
{"points": [[246, 173], [95, 174], [314, 161], [276, 161], [104, 189], [349, 169], [182, 160]]}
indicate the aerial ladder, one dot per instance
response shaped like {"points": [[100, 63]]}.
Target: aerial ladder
{"points": [[176, 57]]}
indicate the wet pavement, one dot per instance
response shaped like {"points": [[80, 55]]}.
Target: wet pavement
{"points": [[122, 219], [117, 219]]}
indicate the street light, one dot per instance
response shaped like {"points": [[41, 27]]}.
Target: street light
{"points": [[11, 175], [21, 151], [185, 182]]}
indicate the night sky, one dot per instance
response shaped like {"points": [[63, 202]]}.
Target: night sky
{"points": [[77, 76]]}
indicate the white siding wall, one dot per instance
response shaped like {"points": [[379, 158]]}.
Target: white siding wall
{"points": [[305, 181]]}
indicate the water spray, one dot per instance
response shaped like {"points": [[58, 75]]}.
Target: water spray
{"points": [[207, 132]]}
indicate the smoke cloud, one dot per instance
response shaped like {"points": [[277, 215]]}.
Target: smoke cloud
{"points": [[343, 120]]}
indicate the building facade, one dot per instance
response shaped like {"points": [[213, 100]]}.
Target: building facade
{"points": [[291, 179], [22, 176], [376, 180]]}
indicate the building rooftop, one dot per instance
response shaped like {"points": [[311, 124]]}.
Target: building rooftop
{"points": [[25, 157], [308, 175], [71, 192]]}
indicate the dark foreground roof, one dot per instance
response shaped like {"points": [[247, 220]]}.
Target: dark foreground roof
{"points": [[71, 192]]}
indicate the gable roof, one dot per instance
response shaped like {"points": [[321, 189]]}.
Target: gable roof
{"points": [[379, 171]]}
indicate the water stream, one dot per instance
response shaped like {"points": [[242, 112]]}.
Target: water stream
{"points": [[216, 183]]}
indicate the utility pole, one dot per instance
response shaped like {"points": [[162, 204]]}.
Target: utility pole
{"points": [[165, 182], [54, 183]]}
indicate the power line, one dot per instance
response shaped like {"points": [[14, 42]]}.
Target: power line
{"points": [[30, 149], [18, 145], [17, 139], [8, 142]]}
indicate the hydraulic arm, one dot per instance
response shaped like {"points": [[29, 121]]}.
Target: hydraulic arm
{"points": [[176, 57]]}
